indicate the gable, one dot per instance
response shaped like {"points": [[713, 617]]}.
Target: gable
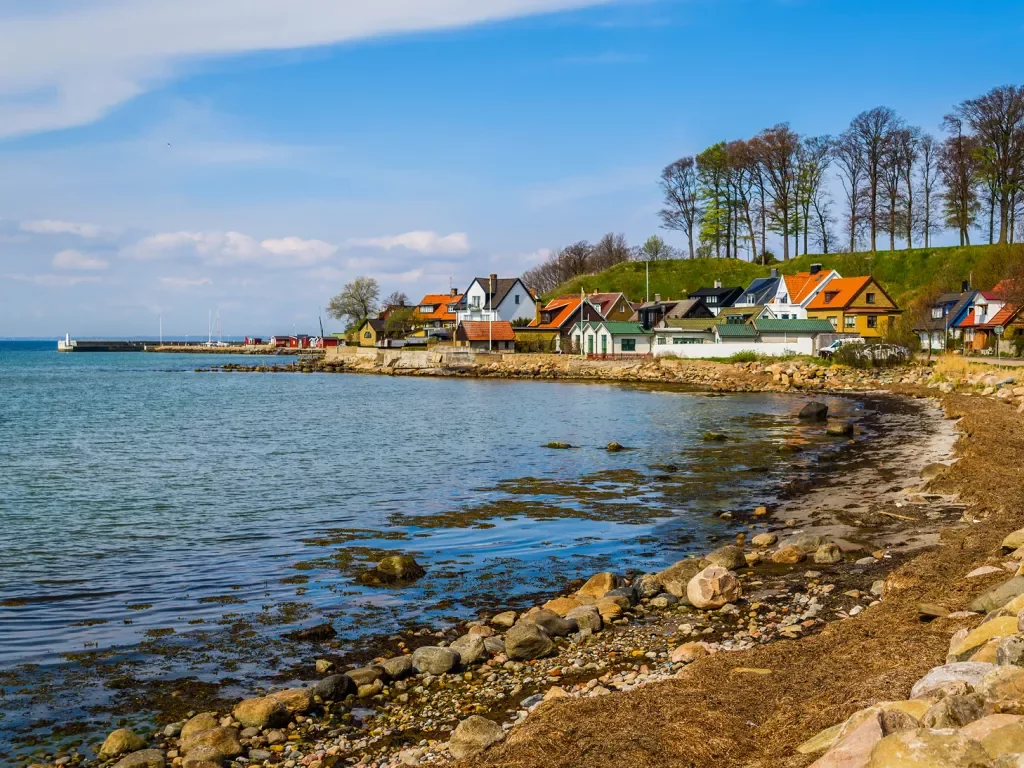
{"points": [[880, 298]]}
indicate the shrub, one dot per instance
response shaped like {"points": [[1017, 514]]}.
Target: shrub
{"points": [[743, 357]]}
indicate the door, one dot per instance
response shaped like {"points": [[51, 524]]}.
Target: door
{"points": [[604, 344], [590, 345]]}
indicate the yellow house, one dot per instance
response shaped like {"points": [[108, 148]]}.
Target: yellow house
{"points": [[371, 333], [855, 305]]}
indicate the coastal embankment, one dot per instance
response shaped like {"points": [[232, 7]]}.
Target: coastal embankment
{"points": [[736, 658]]}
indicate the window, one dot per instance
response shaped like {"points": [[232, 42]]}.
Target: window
{"points": [[517, 299], [661, 339], [629, 345], [850, 321], [937, 312], [834, 320], [367, 335], [872, 321], [869, 298], [476, 301], [830, 295], [712, 299], [678, 340]]}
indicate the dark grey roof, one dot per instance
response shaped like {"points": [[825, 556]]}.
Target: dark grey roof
{"points": [[726, 296], [951, 318], [760, 290], [501, 286]]}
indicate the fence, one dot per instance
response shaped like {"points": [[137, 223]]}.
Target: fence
{"points": [[619, 356]]}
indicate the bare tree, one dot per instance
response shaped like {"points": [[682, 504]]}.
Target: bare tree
{"points": [[997, 119], [682, 197], [776, 149], [743, 173], [909, 141], [871, 130], [396, 299], [958, 164], [929, 177], [813, 159], [610, 250], [896, 169], [852, 174]]}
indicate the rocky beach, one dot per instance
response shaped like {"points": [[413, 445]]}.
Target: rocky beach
{"points": [[753, 631]]}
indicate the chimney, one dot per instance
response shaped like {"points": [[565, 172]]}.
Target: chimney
{"points": [[965, 286], [718, 283], [455, 292], [815, 269], [657, 297], [494, 278], [775, 272]]}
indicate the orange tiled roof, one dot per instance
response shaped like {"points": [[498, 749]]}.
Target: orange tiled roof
{"points": [[561, 309], [481, 330], [841, 290], [1003, 317], [441, 300], [802, 284]]}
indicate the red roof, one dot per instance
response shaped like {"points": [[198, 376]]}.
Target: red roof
{"points": [[440, 302], [802, 284], [561, 309], [839, 292], [1003, 317], [481, 330]]}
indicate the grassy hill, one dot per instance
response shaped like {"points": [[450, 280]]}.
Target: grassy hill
{"points": [[906, 275]]}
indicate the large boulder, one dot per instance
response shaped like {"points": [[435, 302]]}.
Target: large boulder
{"points": [[788, 555], [471, 648], [504, 619], [854, 742], [366, 675], [610, 608], [954, 711], [473, 735], [712, 588], [435, 661], [393, 569], [334, 688], [1014, 540], [204, 721], [828, 554], [814, 412], [562, 605], [586, 617], [807, 543], [1003, 689], [144, 758], [967, 672], [526, 641], [554, 624], [121, 742], [263, 712], [1004, 626], [996, 597], [629, 593], [398, 667], [729, 557], [839, 429], [223, 740], [925, 748], [676, 577], [1006, 740], [295, 700], [764, 540], [648, 585], [600, 584]]}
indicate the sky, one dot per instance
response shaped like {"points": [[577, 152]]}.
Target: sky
{"points": [[163, 161]]}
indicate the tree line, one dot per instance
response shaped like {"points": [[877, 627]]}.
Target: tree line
{"points": [[896, 180]]}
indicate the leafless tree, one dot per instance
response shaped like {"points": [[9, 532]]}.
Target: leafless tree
{"points": [[743, 173], [997, 119], [776, 149], [396, 299], [958, 164], [871, 130], [929, 151], [909, 141], [682, 198], [610, 250], [813, 160], [852, 174]]}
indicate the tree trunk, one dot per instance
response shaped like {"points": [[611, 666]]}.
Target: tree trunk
{"points": [[690, 236], [910, 215], [991, 218], [874, 215], [785, 234], [1004, 214], [892, 223], [764, 226]]}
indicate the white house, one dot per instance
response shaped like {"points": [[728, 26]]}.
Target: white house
{"points": [[612, 338], [496, 298], [794, 292]]}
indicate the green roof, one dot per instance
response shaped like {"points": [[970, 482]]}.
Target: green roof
{"points": [[794, 326], [618, 328], [692, 323], [736, 331]]}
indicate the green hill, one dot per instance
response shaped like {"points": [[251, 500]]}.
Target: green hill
{"points": [[905, 275]]}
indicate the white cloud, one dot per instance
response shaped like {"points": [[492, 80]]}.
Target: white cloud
{"points": [[183, 283], [224, 249], [53, 281], [69, 63], [422, 242], [72, 259], [52, 227]]}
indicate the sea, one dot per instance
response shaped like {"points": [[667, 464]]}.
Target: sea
{"points": [[165, 527]]}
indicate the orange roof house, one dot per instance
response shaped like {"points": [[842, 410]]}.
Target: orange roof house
{"points": [[551, 329], [803, 284], [436, 309], [854, 305], [612, 306], [498, 336]]}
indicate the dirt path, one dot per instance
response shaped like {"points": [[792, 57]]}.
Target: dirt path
{"points": [[716, 716]]}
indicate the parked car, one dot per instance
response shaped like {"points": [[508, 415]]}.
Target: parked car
{"points": [[831, 349]]}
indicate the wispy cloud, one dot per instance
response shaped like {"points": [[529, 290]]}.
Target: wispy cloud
{"points": [[184, 283], [55, 227], [421, 241], [70, 63], [49, 280], [76, 260], [224, 249]]}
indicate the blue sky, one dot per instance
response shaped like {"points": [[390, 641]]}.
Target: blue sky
{"points": [[251, 156]]}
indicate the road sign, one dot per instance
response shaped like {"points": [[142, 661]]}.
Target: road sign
{"points": [[999, 330]]}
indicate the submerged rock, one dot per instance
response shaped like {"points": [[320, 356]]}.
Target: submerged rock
{"points": [[393, 569], [839, 429], [814, 411], [557, 445]]}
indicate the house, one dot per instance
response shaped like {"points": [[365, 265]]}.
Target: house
{"points": [[496, 298], [612, 306], [371, 333], [608, 338], [855, 305], [552, 327], [760, 291], [688, 330], [744, 314], [718, 298], [253, 341], [979, 324], [794, 292], [803, 336], [485, 336], [437, 310], [940, 323], [651, 313], [291, 341]]}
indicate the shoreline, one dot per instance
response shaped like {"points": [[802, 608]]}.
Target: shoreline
{"points": [[641, 626]]}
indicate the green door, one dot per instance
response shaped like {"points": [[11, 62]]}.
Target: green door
{"points": [[604, 344], [590, 345]]}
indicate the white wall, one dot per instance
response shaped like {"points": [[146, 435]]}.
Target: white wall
{"points": [[727, 349], [613, 343], [508, 309]]}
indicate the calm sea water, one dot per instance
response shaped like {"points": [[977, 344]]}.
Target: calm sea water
{"points": [[147, 509]]}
